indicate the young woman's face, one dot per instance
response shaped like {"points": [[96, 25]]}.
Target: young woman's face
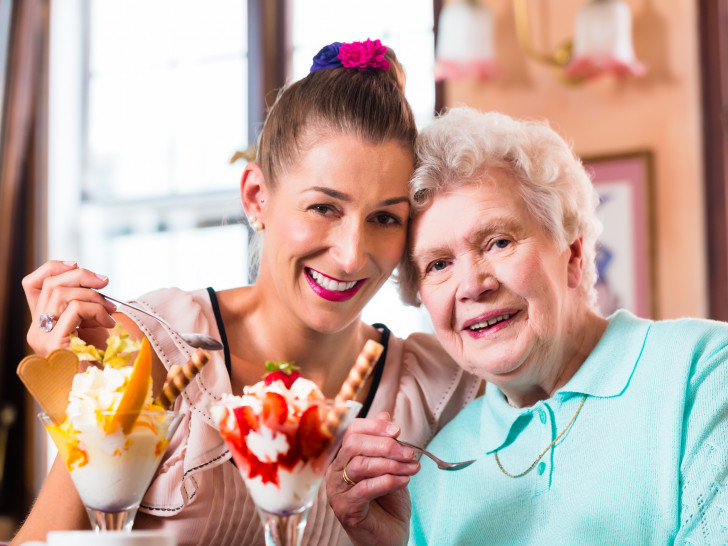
{"points": [[335, 228]]}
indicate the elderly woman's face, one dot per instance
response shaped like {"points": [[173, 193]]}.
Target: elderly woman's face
{"points": [[495, 283]]}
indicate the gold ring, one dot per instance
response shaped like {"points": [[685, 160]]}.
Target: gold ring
{"points": [[347, 479]]}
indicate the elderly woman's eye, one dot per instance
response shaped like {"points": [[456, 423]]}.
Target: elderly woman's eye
{"points": [[437, 265], [501, 243]]}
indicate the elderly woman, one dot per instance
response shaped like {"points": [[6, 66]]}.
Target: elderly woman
{"points": [[591, 430]]}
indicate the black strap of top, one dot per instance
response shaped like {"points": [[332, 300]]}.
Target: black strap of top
{"points": [[378, 370], [221, 329], [376, 373]]}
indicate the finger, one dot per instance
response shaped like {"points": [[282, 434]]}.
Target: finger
{"points": [[85, 302], [360, 469], [352, 503], [367, 445], [374, 426], [90, 318], [33, 282], [50, 302]]}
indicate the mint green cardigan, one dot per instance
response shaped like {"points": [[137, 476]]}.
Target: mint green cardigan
{"points": [[645, 461]]}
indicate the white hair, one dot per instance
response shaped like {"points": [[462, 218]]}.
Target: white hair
{"points": [[461, 146]]}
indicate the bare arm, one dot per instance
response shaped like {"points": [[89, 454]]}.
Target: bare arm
{"points": [[58, 507]]}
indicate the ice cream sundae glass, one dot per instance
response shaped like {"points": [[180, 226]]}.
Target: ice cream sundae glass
{"points": [[109, 431], [282, 433], [112, 457]]}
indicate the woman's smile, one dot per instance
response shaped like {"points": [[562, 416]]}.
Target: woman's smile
{"points": [[332, 289]]}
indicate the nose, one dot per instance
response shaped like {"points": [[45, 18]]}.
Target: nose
{"points": [[475, 278], [348, 247]]}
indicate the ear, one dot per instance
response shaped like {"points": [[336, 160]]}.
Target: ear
{"points": [[575, 265], [253, 191]]}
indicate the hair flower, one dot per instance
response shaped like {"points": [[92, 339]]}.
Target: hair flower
{"points": [[327, 57], [363, 55]]}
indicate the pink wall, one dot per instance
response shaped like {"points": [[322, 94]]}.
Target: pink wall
{"points": [[660, 113]]}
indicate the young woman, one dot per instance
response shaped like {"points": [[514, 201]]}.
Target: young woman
{"points": [[327, 197]]}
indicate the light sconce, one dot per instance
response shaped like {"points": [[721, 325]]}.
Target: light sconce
{"points": [[465, 42], [602, 42]]}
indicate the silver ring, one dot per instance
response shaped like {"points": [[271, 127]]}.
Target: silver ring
{"points": [[46, 322]]}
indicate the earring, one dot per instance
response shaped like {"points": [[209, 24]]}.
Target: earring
{"points": [[255, 223]]}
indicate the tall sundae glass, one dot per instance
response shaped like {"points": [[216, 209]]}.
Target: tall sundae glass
{"points": [[282, 434], [112, 458], [282, 456]]}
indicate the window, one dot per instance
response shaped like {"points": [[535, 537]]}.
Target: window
{"points": [[148, 104]]}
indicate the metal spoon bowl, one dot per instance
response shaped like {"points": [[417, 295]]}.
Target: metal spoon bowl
{"points": [[201, 341], [442, 465]]}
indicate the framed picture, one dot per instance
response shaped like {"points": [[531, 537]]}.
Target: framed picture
{"points": [[625, 251]]}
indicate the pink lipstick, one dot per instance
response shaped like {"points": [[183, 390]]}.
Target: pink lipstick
{"points": [[338, 294]]}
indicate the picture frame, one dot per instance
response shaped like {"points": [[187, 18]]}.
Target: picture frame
{"points": [[625, 255]]}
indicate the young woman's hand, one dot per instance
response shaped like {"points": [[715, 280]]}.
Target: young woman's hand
{"points": [[376, 509], [67, 294]]}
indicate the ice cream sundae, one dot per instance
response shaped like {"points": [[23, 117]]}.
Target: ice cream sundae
{"points": [[112, 434], [282, 432]]}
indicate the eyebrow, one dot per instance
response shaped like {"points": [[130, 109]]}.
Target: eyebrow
{"points": [[336, 194], [476, 236]]}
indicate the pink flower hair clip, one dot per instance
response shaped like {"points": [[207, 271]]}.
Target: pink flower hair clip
{"points": [[366, 55]]}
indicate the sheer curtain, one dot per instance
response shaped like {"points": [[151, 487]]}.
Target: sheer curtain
{"points": [[24, 36]]}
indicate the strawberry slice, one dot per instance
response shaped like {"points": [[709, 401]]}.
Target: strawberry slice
{"points": [[311, 441], [247, 420], [275, 410]]}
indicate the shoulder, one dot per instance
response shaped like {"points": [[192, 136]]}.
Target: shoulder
{"points": [[698, 338]]}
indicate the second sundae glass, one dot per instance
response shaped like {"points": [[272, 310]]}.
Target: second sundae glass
{"points": [[283, 459], [112, 458]]}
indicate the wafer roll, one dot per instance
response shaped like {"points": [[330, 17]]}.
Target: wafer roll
{"points": [[179, 377], [356, 378]]}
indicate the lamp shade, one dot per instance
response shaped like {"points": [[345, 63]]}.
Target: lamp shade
{"points": [[603, 41], [464, 45]]}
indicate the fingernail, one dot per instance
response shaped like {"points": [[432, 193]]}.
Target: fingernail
{"points": [[102, 277], [69, 263], [408, 452], [392, 429]]}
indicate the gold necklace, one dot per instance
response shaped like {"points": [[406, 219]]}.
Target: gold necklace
{"points": [[544, 451]]}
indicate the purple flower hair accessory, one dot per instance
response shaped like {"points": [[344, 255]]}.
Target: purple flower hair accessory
{"points": [[362, 55], [327, 57]]}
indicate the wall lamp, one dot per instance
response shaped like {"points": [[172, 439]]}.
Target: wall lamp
{"points": [[602, 42]]}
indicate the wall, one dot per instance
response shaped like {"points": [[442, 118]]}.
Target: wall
{"points": [[660, 112]]}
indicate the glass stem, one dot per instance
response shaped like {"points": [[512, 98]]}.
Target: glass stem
{"points": [[112, 521], [284, 529]]}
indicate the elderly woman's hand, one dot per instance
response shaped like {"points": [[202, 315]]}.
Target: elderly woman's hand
{"points": [[376, 508], [65, 294]]}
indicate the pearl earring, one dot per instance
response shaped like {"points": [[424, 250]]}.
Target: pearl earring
{"points": [[256, 224]]}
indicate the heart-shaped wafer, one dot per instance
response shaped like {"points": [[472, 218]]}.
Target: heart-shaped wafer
{"points": [[49, 379]]}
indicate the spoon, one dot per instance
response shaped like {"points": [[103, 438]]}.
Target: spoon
{"points": [[440, 463], [193, 340]]}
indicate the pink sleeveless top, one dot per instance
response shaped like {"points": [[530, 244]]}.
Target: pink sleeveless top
{"points": [[198, 494]]}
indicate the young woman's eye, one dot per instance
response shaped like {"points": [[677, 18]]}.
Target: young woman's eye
{"points": [[386, 219], [321, 209]]}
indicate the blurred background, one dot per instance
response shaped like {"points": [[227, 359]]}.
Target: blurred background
{"points": [[125, 126]]}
